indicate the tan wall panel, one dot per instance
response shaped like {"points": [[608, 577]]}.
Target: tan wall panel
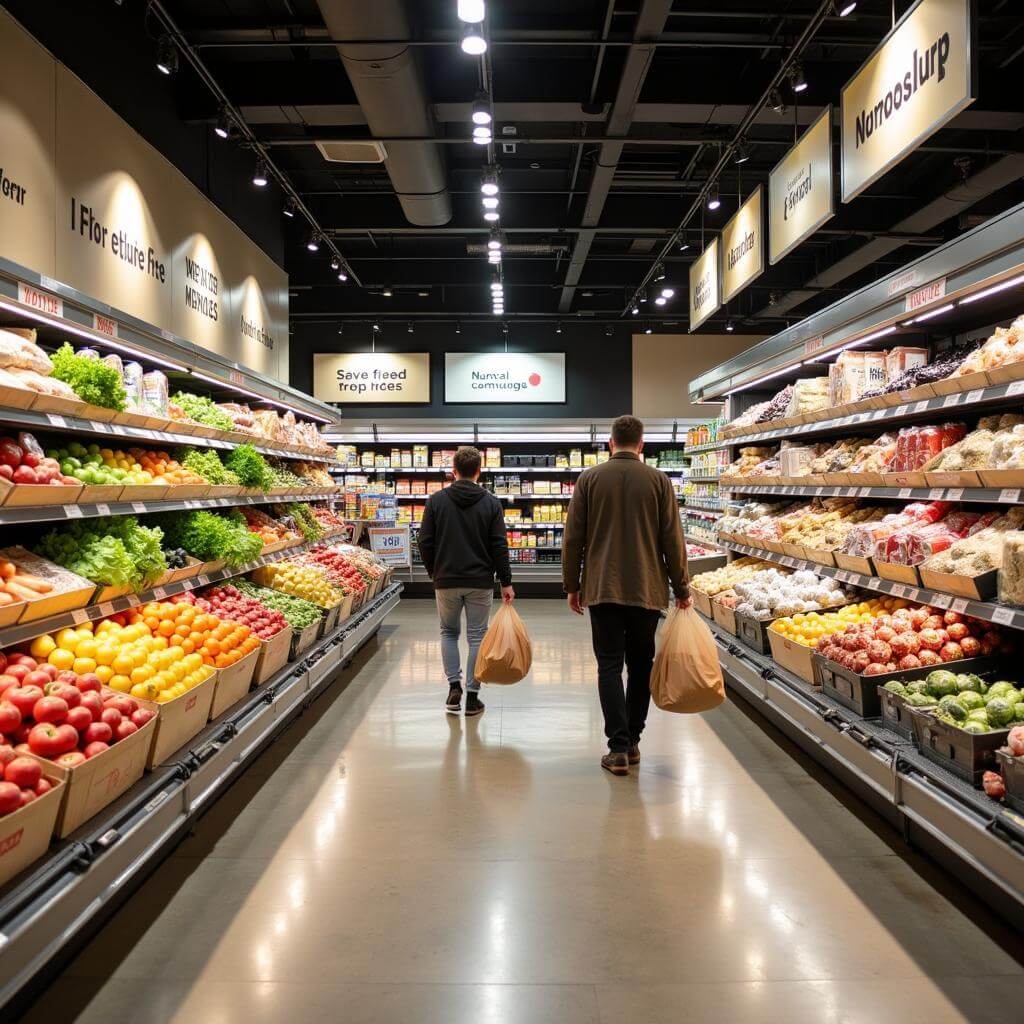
{"points": [[27, 83], [664, 365]]}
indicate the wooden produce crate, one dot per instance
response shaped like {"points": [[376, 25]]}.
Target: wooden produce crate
{"points": [[144, 492], [725, 617], [962, 478], [108, 593], [304, 639], [233, 683], [897, 573], [969, 382], [23, 495], [17, 398], [273, 655], [701, 602], [100, 494], [792, 656], [980, 588], [179, 720], [754, 632], [25, 834], [855, 563]]}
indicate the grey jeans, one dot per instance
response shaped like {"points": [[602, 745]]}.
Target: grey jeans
{"points": [[450, 604]]}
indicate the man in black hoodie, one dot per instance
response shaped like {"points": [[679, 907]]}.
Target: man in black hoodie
{"points": [[463, 545]]}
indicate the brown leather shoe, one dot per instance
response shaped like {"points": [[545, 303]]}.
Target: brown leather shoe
{"points": [[617, 764], [633, 755]]}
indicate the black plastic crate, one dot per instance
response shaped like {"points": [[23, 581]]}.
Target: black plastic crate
{"points": [[967, 755], [1013, 778], [754, 632], [895, 713], [860, 693]]}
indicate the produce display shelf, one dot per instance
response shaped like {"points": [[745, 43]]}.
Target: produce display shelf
{"points": [[500, 497], [356, 471], [990, 611], [83, 878], [703, 478], [704, 506], [22, 631], [699, 510], [16, 515], [986, 495], [713, 446], [978, 398], [508, 522], [30, 419], [981, 841]]}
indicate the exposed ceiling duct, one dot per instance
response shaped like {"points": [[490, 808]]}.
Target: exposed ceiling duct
{"points": [[388, 85], [1003, 172]]}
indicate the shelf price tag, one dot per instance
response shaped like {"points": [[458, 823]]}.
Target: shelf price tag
{"points": [[959, 604], [873, 583], [898, 590], [955, 494], [72, 512], [1004, 616], [940, 600], [878, 414], [79, 615], [104, 510], [1016, 388], [949, 400], [922, 406], [863, 492], [100, 428], [1011, 494], [935, 494], [904, 492], [159, 593], [818, 491], [973, 396], [138, 506], [107, 608], [913, 594], [56, 421]]}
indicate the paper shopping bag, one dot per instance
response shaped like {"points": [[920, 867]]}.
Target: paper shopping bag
{"points": [[687, 677], [505, 655]]}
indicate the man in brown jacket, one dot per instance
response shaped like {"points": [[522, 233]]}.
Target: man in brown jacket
{"points": [[623, 545]]}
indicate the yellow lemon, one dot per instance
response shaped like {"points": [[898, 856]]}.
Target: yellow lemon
{"points": [[42, 645], [83, 666], [120, 683], [61, 658]]}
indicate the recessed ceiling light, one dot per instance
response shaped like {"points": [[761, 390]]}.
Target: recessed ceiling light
{"points": [[473, 41], [470, 11], [490, 202], [491, 215]]}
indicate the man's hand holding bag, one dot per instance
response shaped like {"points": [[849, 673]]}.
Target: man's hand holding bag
{"points": [[687, 677], [505, 654]]}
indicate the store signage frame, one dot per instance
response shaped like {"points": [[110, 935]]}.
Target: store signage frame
{"points": [[528, 378], [743, 235], [705, 270], [372, 378], [860, 108], [812, 150], [392, 545]]}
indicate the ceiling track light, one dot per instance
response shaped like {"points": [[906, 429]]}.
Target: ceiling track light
{"points": [[313, 245], [635, 311], [843, 8], [166, 55], [289, 207], [741, 154], [491, 216], [776, 102], [342, 276], [660, 300], [482, 109], [458, 328], [558, 328], [489, 185], [648, 330], [473, 42], [683, 246], [222, 127], [659, 273], [471, 11], [410, 329], [797, 79], [667, 293], [260, 173], [489, 202], [730, 326], [494, 241], [609, 331], [714, 202], [335, 263], [387, 292], [341, 328], [376, 328]]}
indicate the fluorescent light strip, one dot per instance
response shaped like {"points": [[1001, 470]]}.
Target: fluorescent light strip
{"points": [[931, 313], [259, 398], [761, 380], [94, 337], [986, 292]]}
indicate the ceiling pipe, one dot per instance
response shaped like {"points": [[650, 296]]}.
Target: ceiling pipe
{"points": [[389, 87]]}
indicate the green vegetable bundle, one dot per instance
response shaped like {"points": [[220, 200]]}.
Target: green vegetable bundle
{"points": [[298, 613], [206, 463], [284, 477], [305, 522], [202, 410], [114, 551], [250, 467], [211, 537], [91, 379]]}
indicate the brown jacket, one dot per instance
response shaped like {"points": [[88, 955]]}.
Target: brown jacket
{"points": [[623, 532]]}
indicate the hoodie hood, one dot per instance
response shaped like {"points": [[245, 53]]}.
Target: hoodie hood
{"points": [[465, 493]]}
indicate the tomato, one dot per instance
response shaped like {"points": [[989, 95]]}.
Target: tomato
{"points": [[43, 786], [80, 718], [99, 732], [10, 797], [95, 748], [24, 698], [72, 759], [23, 772], [71, 695], [10, 717], [50, 709], [44, 740]]}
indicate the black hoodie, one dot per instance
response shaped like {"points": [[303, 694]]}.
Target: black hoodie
{"points": [[462, 538]]}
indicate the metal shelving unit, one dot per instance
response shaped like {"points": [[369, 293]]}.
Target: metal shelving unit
{"points": [[85, 876], [986, 495]]}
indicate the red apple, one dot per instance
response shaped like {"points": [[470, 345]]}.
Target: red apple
{"points": [[111, 716], [100, 732], [10, 797], [27, 796], [142, 716], [89, 683], [24, 772], [124, 729], [71, 695], [50, 709], [123, 704], [37, 678], [95, 748], [20, 658]]}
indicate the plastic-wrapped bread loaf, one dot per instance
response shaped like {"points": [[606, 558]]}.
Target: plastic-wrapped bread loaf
{"points": [[19, 351], [1011, 574]]}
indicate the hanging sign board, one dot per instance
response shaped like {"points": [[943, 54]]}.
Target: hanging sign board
{"points": [[511, 378], [800, 189], [918, 79], [373, 378], [923, 296], [390, 544], [743, 246], [704, 287]]}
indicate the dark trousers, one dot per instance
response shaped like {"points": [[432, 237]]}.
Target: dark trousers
{"points": [[623, 634]]}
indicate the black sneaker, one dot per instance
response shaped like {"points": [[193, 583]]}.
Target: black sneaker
{"points": [[474, 706], [633, 754], [617, 764], [454, 702]]}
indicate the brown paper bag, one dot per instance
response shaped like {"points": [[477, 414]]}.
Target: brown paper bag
{"points": [[687, 677], [505, 655]]}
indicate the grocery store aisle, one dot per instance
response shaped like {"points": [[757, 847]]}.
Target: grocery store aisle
{"points": [[386, 863]]}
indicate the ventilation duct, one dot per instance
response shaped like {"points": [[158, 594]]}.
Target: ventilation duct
{"points": [[389, 88]]}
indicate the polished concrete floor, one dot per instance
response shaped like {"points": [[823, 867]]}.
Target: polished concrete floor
{"points": [[386, 863]]}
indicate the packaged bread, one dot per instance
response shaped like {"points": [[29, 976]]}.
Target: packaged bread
{"points": [[18, 350], [44, 385]]}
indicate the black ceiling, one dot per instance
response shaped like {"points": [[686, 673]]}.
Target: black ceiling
{"points": [[593, 215]]}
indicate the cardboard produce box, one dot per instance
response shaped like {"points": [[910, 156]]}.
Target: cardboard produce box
{"points": [[22, 495], [16, 398], [273, 655], [305, 639], [980, 588], [725, 617], [102, 779], [898, 573], [70, 591], [701, 602], [233, 683], [179, 720], [792, 656], [25, 834]]}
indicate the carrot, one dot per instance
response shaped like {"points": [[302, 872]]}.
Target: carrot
{"points": [[5, 598], [23, 593], [41, 586], [7, 570]]}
